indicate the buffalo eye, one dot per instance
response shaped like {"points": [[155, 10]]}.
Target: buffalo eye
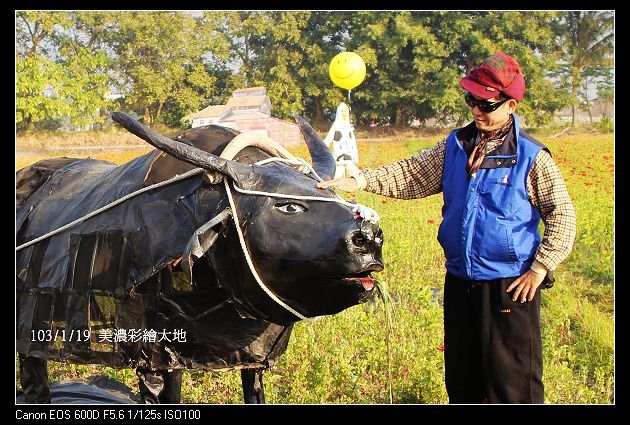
{"points": [[290, 208]]}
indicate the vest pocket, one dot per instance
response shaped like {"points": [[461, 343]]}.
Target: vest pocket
{"points": [[496, 192], [497, 247], [448, 239], [509, 246]]}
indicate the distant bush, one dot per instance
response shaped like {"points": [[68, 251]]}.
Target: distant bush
{"points": [[606, 124]]}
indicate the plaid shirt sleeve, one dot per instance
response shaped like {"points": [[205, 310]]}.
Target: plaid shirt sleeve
{"points": [[409, 178], [548, 193]]}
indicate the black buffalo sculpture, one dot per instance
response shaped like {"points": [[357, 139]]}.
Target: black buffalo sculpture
{"points": [[182, 258]]}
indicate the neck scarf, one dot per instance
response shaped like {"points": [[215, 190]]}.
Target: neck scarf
{"points": [[480, 150]]}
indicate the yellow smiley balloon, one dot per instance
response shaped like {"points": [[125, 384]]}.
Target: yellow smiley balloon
{"points": [[347, 70]]}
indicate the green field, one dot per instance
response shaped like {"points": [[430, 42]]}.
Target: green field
{"points": [[351, 358]]}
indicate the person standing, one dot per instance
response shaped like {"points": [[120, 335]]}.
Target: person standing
{"points": [[497, 183]]}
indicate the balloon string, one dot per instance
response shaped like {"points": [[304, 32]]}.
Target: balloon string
{"points": [[349, 107]]}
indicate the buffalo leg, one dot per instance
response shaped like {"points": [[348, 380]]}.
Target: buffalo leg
{"points": [[34, 380], [253, 389], [172, 393], [160, 386]]}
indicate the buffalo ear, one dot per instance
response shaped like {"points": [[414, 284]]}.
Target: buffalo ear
{"points": [[190, 154], [323, 162]]}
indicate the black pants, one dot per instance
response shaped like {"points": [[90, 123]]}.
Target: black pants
{"points": [[493, 345]]}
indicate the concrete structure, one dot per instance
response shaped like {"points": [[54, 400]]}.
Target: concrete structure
{"points": [[249, 109], [341, 136]]}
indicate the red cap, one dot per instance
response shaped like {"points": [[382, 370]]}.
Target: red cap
{"points": [[498, 73]]}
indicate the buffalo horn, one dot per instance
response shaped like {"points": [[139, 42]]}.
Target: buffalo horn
{"points": [[323, 162], [182, 151]]}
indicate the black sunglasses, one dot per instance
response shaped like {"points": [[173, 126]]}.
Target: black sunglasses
{"points": [[483, 105]]}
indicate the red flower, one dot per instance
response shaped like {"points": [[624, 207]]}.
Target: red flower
{"points": [[383, 201], [430, 221], [442, 347]]}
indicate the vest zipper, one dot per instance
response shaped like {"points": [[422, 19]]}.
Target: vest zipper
{"points": [[471, 213]]}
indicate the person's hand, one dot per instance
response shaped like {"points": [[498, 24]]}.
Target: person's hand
{"points": [[345, 184], [525, 286]]}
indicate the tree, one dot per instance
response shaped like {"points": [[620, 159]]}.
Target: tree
{"points": [[322, 36], [86, 86], [401, 53], [170, 64], [416, 59], [283, 51], [60, 69], [470, 37], [606, 92], [38, 79], [160, 61], [586, 42], [37, 84]]}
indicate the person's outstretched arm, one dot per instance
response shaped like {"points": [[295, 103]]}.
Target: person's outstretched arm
{"points": [[409, 178]]}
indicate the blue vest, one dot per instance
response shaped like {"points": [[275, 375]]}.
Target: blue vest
{"points": [[490, 228]]}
